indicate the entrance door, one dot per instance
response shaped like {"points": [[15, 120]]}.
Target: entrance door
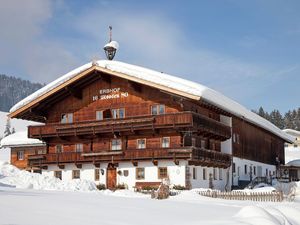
{"points": [[111, 178]]}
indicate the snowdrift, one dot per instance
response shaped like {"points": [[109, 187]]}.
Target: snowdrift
{"points": [[12, 176]]}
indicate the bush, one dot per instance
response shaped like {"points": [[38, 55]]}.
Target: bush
{"points": [[149, 188], [179, 187], [121, 186], [101, 186]]}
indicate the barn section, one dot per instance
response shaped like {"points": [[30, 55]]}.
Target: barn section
{"points": [[114, 119], [22, 148]]}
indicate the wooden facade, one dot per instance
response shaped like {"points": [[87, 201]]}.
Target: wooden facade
{"points": [[102, 118]]}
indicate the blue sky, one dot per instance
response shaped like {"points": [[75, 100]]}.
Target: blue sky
{"points": [[247, 50]]}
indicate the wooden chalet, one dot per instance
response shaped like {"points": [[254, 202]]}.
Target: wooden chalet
{"points": [[110, 122]]}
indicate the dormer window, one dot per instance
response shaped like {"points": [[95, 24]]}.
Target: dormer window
{"points": [[67, 118], [157, 109]]}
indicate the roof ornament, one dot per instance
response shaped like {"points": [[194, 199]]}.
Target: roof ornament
{"points": [[111, 47]]}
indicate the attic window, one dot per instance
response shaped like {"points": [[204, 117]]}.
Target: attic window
{"points": [[67, 118]]}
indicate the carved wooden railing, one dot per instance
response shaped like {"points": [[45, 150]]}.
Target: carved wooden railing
{"points": [[189, 120]]}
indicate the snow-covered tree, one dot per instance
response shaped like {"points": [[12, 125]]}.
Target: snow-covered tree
{"points": [[7, 130]]}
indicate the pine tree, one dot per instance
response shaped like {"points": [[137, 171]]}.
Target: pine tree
{"points": [[7, 128], [261, 112]]}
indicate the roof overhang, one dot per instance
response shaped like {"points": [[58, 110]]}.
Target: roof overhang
{"points": [[86, 72]]}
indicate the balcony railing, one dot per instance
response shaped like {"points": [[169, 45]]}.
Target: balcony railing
{"points": [[196, 156], [190, 120]]}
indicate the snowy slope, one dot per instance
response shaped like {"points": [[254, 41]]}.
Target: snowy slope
{"points": [[168, 81]]}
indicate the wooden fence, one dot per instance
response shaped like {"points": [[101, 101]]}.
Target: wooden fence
{"points": [[241, 195]]}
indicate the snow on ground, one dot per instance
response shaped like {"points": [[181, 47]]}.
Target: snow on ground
{"points": [[28, 206], [10, 175]]}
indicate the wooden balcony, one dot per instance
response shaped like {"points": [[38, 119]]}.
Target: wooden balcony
{"points": [[195, 156], [181, 120]]}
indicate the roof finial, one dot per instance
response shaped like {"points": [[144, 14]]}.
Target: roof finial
{"points": [[111, 47]]}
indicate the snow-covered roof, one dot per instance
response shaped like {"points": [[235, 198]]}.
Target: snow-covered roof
{"points": [[165, 82], [20, 139], [295, 162], [292, 132]]}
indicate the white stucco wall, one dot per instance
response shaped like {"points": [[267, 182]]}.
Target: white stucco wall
{"points": [[240, 171], [199, 182]]}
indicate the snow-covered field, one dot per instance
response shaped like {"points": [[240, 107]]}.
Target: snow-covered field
{"points": [[85, 205]]}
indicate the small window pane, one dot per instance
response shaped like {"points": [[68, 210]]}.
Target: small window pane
{"points": [[140, 173], [99, 115], [78, 147], [20, 155], [154, 110], [126, 173], [204, 174], [194, 173], [162, 172], [59, 149], [165, 142], [97, 174], [141, 143], [76, 174], [116, 144], [121, 113], [114, 113], [215, 173], [161, 109], [58, 174]]}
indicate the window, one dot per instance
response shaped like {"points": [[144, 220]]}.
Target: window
{"points": [[233, 167], [78, 147], [220, 174], [238, 138], [67, 118], [213, 146], [140, 173], [165, 142], [118, 113], [20, 155], [194, 142], [76, 174], [215, 173], [157, 109], [162, 172], [266, 172], [141, 143], [116, 144], [59, 149], [233, 138], [126, 173], [194, 173], [245, 169], [203, 144], [58, 174], [254, 170], [204, 174], [99, 115], [97, 174]]}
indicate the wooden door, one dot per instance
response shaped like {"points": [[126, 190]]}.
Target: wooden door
{"points": [[111, 178]]}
